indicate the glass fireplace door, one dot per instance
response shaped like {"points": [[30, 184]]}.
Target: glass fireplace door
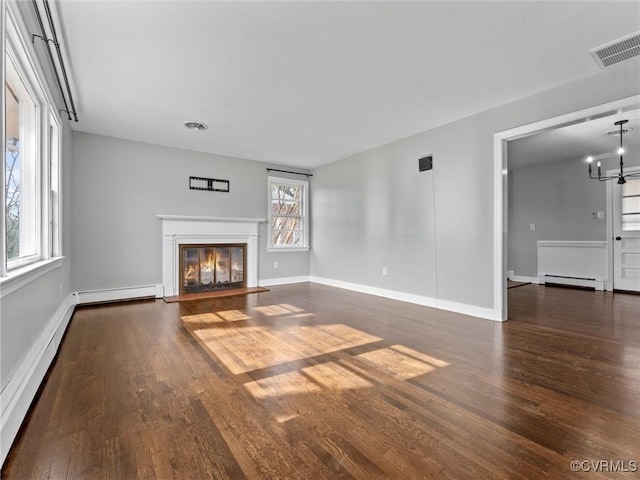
{"points": [[211, 267]]}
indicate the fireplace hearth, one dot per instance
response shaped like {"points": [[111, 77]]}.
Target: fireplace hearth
{"points": [[205, 268]]}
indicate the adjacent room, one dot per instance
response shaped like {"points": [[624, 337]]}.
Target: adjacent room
{"points": [[320, 240]]}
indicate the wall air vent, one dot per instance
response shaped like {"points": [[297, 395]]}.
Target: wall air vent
{"points": [[617, 51]]}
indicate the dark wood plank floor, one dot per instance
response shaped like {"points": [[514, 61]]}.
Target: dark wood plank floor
{"points": [[310, 382]]}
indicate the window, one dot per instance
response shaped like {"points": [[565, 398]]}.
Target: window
{"points": [[21, 192], [12, 172], [30, 168], [631, 205], [288, 214]]}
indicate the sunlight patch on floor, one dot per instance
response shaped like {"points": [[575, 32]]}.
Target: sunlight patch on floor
{"points": [[285, 418], [289, 383], [396, 364], [336, 377], [312, 379], [436, 362], [273, 310], [233, 315], [202, 318], [243, 349], [217, 317], [297, 316]]}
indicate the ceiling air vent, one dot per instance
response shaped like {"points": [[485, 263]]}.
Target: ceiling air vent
{"points": [[617, 51], [199, 126], [616, 132]]}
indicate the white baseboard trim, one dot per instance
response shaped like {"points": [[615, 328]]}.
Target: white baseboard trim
{"points": [[115, 294], [597, 284], [18, 394], [520, 278], [270, 282], [379, 292], [471, 310], [486, 313]]}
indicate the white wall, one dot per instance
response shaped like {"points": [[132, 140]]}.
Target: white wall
{"points": [[120, 186], [459, 204]]}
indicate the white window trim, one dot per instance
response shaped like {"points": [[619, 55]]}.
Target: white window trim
{"points": [[53, 187], [3, 227], [25, 270], [305, 216]]}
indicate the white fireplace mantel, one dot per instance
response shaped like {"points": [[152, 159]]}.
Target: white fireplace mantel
{"points": [[180, 229]]}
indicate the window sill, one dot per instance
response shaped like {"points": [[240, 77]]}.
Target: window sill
{"points": [[20, 277], [287, 249]]}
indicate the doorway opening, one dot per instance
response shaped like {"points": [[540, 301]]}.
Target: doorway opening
{"points": [[501, 183]]}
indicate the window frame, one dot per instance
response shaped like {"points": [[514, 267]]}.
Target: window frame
{"points": [[53, 186], [47, 159], [304, 215], [30, 159]]}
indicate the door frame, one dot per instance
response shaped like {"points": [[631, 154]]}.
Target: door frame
{"points": [[500, 184]]}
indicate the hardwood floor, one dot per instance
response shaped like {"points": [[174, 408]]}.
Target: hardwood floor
{"points": [[310, 382]]}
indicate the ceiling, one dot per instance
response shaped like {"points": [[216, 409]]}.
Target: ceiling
{"points": [[579, 141], [308, 83]]}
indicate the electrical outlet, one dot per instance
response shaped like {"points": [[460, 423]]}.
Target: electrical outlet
{"points": [[275, 265], [532, 227], [600, 215], [385, 271]]}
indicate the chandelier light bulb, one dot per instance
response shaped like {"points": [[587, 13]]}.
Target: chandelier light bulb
{"points": [[599, 164], [589, 159], [620, 151]]}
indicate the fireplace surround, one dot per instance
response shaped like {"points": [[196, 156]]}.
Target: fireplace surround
{"points": [[179, 230]]}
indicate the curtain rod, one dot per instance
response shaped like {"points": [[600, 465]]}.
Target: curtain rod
{"points": [[54, 40], [287, 171]]}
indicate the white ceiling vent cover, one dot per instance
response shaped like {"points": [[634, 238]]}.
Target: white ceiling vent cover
{"points": [[617, 51]]}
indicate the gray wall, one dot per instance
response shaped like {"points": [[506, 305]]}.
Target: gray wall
{"points": [[458, 207], [119, 188], [26, 312], [559, 198], [375, 210]]}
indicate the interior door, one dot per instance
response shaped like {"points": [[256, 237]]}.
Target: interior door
{"points": [[626, 234]]}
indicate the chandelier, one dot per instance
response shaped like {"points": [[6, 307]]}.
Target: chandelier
{"points": [[620, 176]]}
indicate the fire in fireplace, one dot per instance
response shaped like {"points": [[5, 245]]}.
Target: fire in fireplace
{"points": [[206, 268]]}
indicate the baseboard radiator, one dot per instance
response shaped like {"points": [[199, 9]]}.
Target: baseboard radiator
{"points": [[575, 263]]}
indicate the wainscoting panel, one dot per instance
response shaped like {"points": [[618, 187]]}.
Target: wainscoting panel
{"points": [[17, 396], [576, 263]]}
